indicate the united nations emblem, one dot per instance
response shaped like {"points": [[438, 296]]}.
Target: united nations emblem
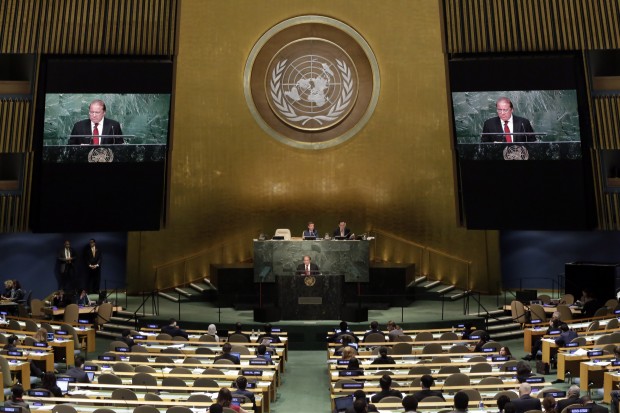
{"points": [[309, 280], [311, 92], [516, 153], [100, 155]]}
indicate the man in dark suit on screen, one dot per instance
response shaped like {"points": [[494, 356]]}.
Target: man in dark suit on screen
{"points": [[97, 129], [307, 267], [509, 128]]}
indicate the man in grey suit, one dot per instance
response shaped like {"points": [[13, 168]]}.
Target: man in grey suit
{"points": [[526, 402]]}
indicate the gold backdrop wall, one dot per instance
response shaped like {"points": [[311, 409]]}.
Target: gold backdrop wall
{"points": [[229, 180]]}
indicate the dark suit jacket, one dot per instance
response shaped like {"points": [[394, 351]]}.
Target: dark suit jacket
{"points": [[228, 356], [92, 259], [347, 232], [79, 374], [525, 403], [302, 268], [519, 125], [422, 394], [597, 408], [62, 262], [565, 338], [567, 402], [174, 331], [110, 127], [314, 233]]}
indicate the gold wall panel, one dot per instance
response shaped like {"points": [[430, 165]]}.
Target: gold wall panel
{"points": [[229, 180]]}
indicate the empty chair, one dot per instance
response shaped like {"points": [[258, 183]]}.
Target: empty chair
{"points": [[517, 311], [448, 335], [612, 324], [179, 338], [139, 348], [283, 232], [421, 370], [604, 339], [63, 408], [172, 350], [594, 325], [180, 370], [611, 304], [104, 314], [233, 338], [339, 384], [213, 371], [163, 337], [441, 359], [449, 370], [31, 325], [424, 336], [47, 326], [164, 359], [152, 397], [477, 359], [205, 382], [179, 409], [511, 394], [374, 338], [567, 299], [117, 343], [223, 361], [138, 358], [615, 337], [403, 339], [242, 350], [204, 350], [546, 299], [36, 308], [103, 410], [402, 348], [108, 378], [143, 379], [145, 409], [458, 348], [415, 382], [537, 312], [384, 372], [191, 360], [581, 341], [173, 381], [545, 390], [508, 364], [29, 341], [124, 394], [72, 312], [609, 348], [492, 344], [432, 348], [14, 325], [565, 312], [474, 395], [199, 398], [208, 338], [490, 380], [145, 369], [124, 367], [601, 312], [457, 379], [481, 368]]}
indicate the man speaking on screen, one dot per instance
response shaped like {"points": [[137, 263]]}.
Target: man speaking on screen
{"points": [[97, 129], [509, 128]]}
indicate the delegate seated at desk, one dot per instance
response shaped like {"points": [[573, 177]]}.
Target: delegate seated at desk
{"points": [[311, 231], [342, 230], [307, 267]]}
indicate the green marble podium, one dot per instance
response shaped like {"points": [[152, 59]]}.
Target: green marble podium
{"points": [[280, 258]]}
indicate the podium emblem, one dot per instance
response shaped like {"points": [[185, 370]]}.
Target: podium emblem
{"points": [[311, 82], [100, 155], [516, 153], [309, 280]]}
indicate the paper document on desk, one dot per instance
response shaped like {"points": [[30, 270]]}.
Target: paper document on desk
{"points": [[580, 352]]}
